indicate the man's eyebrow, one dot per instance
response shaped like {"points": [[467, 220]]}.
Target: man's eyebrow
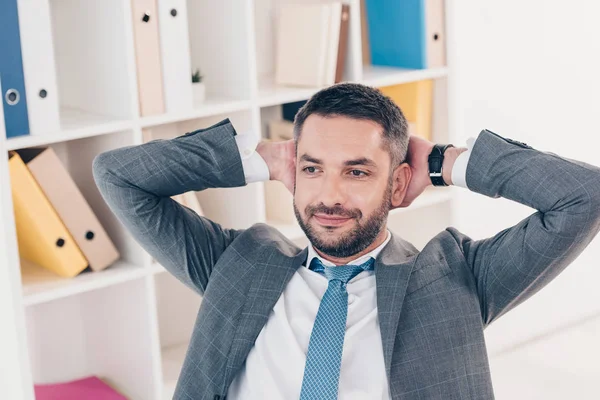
{"points": [[359, 161], [307, 158]]}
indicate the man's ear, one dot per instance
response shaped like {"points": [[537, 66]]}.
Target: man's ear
{"points": [[401, 177]]}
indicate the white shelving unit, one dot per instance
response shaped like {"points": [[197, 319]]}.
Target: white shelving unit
{"points": [[130, 324]]}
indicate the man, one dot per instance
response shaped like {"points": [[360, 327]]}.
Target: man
{"points": [[360, 313]]}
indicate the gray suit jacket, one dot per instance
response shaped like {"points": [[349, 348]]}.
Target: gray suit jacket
{"points": [[433, 304]]}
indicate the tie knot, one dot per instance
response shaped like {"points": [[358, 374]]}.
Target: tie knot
{"points": [[342, 273]]}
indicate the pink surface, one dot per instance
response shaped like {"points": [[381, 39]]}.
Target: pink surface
{"points": [[90, 388]]}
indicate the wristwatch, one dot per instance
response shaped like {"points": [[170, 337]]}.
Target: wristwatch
{"points": [[435, 161]]}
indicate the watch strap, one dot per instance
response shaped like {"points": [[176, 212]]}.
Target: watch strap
{"points": [[435, 162]]}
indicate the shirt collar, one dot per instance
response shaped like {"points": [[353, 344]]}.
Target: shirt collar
{"points": [[373, 253]]}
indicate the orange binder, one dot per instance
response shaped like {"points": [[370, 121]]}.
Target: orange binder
{"points": [[416, 101], [70, 205], [148, 61], [42, 237]]}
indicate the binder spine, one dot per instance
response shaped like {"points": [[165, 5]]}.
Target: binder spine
{"points": [[397, 33], [147, 50], [14, 98], [39, 66], [175, 54]]}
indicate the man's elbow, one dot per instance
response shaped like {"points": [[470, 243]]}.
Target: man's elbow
{"points": [[100, 166], [101, 171], [589, 201]]}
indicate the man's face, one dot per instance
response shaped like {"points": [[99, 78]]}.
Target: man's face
{"points": [[343, 184]]}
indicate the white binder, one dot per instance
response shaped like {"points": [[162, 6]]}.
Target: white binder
{"points": [[333, 42], [175, 54], [302, 44], [39, 67]]}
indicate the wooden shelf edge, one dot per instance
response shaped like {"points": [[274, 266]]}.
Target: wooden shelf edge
{"points": [[50, 287]]}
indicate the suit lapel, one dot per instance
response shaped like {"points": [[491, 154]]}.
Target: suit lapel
{"points": [[393, 267], [269, 279]]}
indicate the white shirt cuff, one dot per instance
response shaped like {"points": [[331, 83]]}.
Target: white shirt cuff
{"points": [[459, 169], [255, 167]]}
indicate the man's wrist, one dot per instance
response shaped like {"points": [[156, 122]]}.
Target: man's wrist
{"points": [[272, 152], [450, 156]]}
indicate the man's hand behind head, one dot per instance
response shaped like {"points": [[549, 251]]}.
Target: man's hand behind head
{"points": [[280, 157]]}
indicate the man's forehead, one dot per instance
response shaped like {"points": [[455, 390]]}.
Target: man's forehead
{"points": [[347, 148], [332, 132]]}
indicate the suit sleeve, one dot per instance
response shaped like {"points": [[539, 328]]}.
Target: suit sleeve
{"points": [[518, 261], [137, 183]]}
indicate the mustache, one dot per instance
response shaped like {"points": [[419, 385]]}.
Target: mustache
{"points": [[337, 211]]}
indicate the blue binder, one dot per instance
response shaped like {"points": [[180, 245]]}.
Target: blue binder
{"points": [[397, 33], [14, 99]]}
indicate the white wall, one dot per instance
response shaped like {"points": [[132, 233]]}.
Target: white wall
{"points": [[529, 70]]}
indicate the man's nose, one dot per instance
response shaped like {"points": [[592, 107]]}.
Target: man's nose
{"points": [[332, 192]]}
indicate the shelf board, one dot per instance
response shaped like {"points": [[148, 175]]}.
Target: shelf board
{"points": [[379, 76], [210, 107], [75, 124], [41, 285], [172, 361], [270, 94]]}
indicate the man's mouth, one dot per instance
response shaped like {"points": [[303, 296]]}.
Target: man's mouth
{"points": [[330, 220]]}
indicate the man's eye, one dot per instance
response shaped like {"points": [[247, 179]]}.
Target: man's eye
{"points": [[306, 169], [359, 172]]}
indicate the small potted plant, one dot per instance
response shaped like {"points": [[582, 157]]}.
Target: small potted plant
{"points": [[198, 88]]}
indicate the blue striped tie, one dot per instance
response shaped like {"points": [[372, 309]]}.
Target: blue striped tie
{"points": [[324, 357]]}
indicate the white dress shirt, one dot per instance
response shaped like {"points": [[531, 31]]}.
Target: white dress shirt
{"points": [[274, 368]]}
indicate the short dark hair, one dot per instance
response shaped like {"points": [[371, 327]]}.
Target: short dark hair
{"points": [[358, 101]]}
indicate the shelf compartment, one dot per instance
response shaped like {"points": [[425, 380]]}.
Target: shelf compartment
{"points": [[94, 62], [218, 32], [77, 157], [105, 332], [266, 37]]}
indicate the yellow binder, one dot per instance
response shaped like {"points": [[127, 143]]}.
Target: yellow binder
{"points": [[416, 101], [71, 206], [42, 237]]}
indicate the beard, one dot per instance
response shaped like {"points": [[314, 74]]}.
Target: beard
{"points": [[361, 236]]}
